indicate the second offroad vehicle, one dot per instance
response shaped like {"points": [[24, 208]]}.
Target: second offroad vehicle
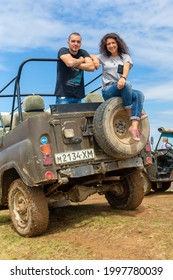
{"points": [[159, 175]]}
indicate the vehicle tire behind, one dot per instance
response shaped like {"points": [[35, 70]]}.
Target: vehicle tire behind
{"points": [[110, 127], [160, 186], [28, 209], [146, 184], [130, 195]]}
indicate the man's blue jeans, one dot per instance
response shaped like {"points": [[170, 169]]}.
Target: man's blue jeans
{"points": [[132, 99], [67, 100]]}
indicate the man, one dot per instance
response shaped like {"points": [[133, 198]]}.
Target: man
{"points": [[70, 71]]}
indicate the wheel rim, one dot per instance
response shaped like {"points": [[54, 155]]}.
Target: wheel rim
{"points": [[118, 195], [120, 126], [20, 209]]}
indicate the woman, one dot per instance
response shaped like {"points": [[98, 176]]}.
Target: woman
{"points": [[116, 63]]}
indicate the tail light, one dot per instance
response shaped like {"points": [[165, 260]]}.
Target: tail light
{"points": [[47, 154], [148, 161], [148, 147], [49, 175]]}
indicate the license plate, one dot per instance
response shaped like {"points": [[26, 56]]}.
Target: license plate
{"points": [[74, 156]]}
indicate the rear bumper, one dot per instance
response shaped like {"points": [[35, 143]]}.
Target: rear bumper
{"points": [[102, 168]]}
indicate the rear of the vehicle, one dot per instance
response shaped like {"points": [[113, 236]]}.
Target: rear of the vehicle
{"points": [[77, 152], [84, 167]]}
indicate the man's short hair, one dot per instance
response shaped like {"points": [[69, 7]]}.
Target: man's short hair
{"points": [[74, 33]]}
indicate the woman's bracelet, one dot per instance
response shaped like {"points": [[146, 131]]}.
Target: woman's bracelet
{"points": [[123, 77]]}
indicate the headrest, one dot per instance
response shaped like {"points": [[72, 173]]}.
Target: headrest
{"points": [[93, 97], [6, 120], [33, 103]]}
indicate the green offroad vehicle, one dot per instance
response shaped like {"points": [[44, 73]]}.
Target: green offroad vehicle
{"points": [[66, 153], [158, 176]]}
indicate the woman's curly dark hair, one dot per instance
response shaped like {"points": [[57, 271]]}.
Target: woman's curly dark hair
{"points": [[122, 47]]}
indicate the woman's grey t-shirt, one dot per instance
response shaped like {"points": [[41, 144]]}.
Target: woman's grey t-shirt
{"points": [[110, 67]]}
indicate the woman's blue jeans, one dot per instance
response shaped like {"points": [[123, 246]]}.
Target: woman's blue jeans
{"points": [[67, 100], [132, 99]]}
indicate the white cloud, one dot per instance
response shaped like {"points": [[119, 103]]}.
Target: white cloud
{"points": [[146, 26], [27, 25], [168, 113], [30, 23], [161, 92]]}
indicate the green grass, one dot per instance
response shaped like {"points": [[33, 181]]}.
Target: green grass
{"points": [[95, 231]]}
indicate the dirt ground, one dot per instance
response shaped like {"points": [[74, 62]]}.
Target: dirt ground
{"points": [[93, 230], [144, 233]]}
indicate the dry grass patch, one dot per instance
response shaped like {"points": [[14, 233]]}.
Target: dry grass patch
{"points": [[92, 230]]}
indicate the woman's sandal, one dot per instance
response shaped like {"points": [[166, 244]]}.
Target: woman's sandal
{"points": [[144, 116], [135, 133]]}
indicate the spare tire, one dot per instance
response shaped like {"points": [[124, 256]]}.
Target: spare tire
{"points": [[110, 127]]}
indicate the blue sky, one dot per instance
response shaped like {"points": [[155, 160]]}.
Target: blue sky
{"points": [[30, 29]]}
